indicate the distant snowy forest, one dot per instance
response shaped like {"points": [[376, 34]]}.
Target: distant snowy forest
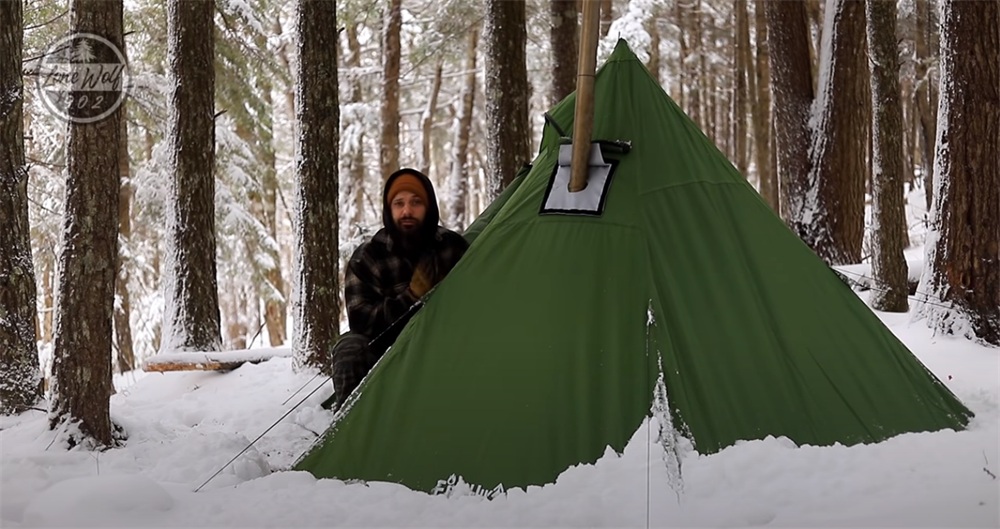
{"points": [[831, 108]]}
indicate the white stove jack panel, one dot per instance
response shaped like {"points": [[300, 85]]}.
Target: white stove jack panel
{"points": [[589, 201]]}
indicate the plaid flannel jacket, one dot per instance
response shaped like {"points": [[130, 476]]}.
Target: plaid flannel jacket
{"points": [[377, 279]]}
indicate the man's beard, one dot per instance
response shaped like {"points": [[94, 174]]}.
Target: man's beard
{"points": [[410, 234]]}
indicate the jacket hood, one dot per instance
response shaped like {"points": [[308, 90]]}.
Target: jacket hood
{"points": [[431, 219]]}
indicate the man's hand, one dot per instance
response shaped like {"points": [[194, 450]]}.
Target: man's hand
{"points": [[423, 278]]}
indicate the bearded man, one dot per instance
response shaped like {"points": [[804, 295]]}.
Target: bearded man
{"points": [[388, 274]]}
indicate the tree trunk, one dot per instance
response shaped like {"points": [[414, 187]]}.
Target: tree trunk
{"points": [[815, 18], [963, 251], [507, 92], [48, 297], [653, 28], [564, 42], [834, 224], [275, 304], [123, 307], [459, 181], [389, 157], [925, 108], [792, 90], [191, 314], [20, 378], [888, 211], [355, 151], [81, 366], [696, 79], [741, 65], [316, 301], [427, 120], [761, 111], [607, 15], [682, 55]]}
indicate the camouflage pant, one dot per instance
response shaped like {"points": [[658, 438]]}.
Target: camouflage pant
{"points": [[352, 359]]}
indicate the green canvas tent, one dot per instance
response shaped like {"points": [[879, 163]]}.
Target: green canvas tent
{"points": [[544, 345]]}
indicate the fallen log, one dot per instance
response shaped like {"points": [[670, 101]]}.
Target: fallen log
{"points": [[212, 360]]}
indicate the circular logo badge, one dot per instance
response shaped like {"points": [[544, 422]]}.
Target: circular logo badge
{"points": [[82, 78]]}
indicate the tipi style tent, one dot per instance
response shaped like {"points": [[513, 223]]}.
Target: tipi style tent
{"points": [[545, 344]]}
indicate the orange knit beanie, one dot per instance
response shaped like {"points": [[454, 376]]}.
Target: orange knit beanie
{"points": [[407, 182]]}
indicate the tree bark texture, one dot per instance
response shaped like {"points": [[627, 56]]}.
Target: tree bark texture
{"points": [[427, 120], [888, 169], [925, 106], [275, 300], [391, 53], [564, 42], [761, 115], [81, 366], [506, 92], [696, 78], [355, 150], [123, 307], [792, 91], [316, 301], [459, 181], [963, 271], [682, 55], [19, 374], [655, 57], [607, 15], [191, 317], [741, 67], [833, 224]]}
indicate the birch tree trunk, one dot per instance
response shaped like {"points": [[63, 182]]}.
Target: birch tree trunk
{"points": [[833, 224], [506, 92], [564, 42], [81, 366], [962, 270], [459, 180], [316, 298], [191, 315], [888, 212], [20, 380], [389, 149], [792, 91]]}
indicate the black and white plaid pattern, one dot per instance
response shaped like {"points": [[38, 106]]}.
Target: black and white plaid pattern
{"points": [[378, 277]]}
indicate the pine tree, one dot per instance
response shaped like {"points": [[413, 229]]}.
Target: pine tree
{"points": [[506, 92], [563, 41], [960, 286], [191, 316], [888, 211], [833, 223], [792, 88], [19, 375], [81, 368], [316, 301]]}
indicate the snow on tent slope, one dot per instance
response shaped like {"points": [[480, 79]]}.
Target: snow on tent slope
{"points": [[544, 345]]}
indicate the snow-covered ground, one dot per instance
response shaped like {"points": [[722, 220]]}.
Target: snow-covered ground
{"points": [[184, 426]]}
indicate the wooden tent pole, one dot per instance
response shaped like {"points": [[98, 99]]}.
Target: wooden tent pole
{"points": [[583, 118]]}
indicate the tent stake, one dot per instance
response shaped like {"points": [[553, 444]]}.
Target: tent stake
{"points": [[583, 119]]}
